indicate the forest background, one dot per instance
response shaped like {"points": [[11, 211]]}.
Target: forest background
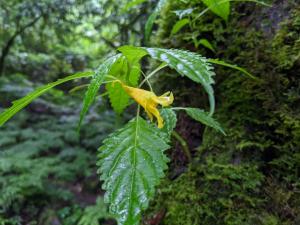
{"points": [[250, 176]]}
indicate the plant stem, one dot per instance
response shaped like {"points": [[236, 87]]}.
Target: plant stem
{"points": [[160, 67], [184, 145]]}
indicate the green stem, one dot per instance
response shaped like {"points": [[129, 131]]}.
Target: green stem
{"points": [[184, 145], [160, 67]]}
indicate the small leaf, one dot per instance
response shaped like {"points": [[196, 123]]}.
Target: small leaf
{"points": [[188, 64], [127, 69], [219, 7], [222, 63], [170, 120], [23, 102], [152, 18], [132, 161], [179, 25], [203, 117], [184, 12], [132, 4], [206, 44], [95, 84]]}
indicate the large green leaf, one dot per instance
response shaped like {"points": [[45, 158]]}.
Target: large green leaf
{"points": [[189, 64], [23, 102], [219, 7], [132, 161], [203, 117], [95, 84]]}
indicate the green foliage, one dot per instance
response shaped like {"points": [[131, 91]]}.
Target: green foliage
{"points": [[152, 18], [189, 64], [131, 167], [92, 214], [260, 116], [203, 117], [179, 25], [211, 192], [170, 120], [95, 84], [219, 7], [23, 102]]}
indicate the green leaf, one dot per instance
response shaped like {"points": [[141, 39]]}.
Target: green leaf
{"points": [[170, 120], [206, 44], [203, 117], [222, 63], [219, 7], [23, 102], [95, 84], [188, 64], [132, 4], [132, 161], [133, 53], [152, 18], [179, 25], [127, 69]]}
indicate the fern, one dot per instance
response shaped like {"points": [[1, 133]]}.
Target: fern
{"points": [[131, 165], [92, 214]]}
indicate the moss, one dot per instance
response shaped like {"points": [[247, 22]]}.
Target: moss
{"points": [[251, 176]]}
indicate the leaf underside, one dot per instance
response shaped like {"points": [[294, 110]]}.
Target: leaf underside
{"points": [[132, 161]]}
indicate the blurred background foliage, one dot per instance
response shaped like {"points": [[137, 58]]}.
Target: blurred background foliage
{"points": [[251, 176]]}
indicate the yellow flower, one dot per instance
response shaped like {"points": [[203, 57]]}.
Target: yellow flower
{"points": [[149, 101]]}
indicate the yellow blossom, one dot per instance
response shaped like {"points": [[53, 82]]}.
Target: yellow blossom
{"points": [[149, 101]]}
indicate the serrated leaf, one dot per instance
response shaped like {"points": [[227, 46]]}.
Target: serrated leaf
{"points": [[132, 161], [95, 84], [179, 25], [133, 53], [170, 120], [203, 117], [152, 18], [23, 102], [188, 64], [119, 99], [219, 7]]}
